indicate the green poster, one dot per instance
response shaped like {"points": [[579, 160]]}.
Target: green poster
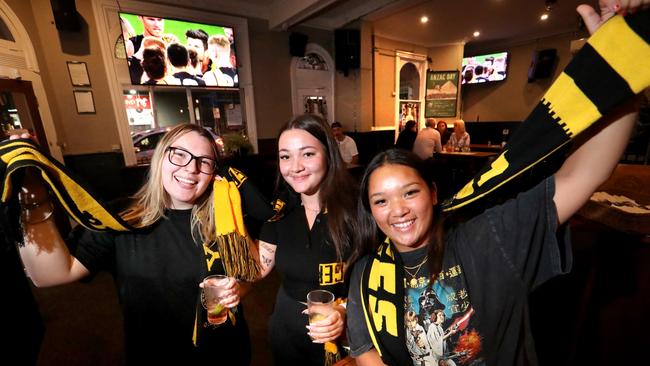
{"points": [[442, 94]]}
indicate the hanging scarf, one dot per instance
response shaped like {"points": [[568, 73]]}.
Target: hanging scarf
{"points": [[232, 251], [610, 68], [382, 296]]}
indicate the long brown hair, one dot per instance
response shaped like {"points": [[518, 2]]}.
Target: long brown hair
{"points": [[368, 235], [151, 201], [337, 191]]}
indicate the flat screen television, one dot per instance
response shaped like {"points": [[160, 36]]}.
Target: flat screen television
{"points": [[484, 68], [163, 51]]}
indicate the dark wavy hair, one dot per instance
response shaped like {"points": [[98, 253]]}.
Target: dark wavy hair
{"points": [[368, 236], [338, 191]]}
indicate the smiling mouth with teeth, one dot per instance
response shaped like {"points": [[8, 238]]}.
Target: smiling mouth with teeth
{"points": [[403, 225], [184, 180]]}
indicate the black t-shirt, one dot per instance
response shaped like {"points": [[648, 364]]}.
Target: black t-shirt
{"points": [[157, 273], [137, 42], [306, 259], [490, 265], [406, 139]]}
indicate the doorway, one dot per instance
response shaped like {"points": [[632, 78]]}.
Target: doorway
{"points": [[410, 72], [19, 110]]}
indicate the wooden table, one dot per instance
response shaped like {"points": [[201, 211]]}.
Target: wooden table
{"points": [[626, 180], [452, 170], [485, 147], [471, 154]]}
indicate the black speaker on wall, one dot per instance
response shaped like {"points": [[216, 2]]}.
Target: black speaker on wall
{"points": [[66, 17], [297, 44], [542, 64], [347, 43]]}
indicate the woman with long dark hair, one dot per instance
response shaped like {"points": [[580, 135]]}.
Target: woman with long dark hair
{"points": [[468, 283], [311, 242]]}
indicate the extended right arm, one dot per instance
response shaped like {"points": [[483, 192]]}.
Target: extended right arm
{"points": [[45, 255]]}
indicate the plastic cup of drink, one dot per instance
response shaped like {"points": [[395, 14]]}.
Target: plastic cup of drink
{"points": [[213, 289]]}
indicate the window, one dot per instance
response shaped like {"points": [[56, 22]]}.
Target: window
{"points": [[219, 110], [5, 33]]}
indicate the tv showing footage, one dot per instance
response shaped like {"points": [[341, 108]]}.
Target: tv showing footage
{"points": [[164, 51], [484, 68]]}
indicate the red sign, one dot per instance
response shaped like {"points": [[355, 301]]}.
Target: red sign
{"points": [[137, 102]]}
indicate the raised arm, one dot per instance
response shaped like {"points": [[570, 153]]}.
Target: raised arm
{"points": [[44, 254], [592, 163]]}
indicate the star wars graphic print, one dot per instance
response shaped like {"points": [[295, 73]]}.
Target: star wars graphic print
{"points": [[441, 329]]}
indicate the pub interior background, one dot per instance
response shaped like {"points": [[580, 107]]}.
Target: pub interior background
{"points": [[65, 78]]}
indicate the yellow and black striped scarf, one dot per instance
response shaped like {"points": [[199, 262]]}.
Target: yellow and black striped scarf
{"points": [[612, 67], [232, 238], [231, 249]]}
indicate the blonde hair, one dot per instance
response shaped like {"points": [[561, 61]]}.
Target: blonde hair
{"points": [[152, 200], [219, 40], [459, 123], [150, 41]]}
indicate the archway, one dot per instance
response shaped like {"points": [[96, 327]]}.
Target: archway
{"points": [[18, 62], [312, 83]]}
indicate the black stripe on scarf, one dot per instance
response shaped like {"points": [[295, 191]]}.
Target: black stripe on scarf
{"points": [[599, 82], [591, 85]]}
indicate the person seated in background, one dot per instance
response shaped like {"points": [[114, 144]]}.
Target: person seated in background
{"points": [[444, 132], [347, 146], [406, 138], [427, 140], [180, 59], [459, 140]]}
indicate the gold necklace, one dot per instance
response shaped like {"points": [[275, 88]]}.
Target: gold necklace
{"points": [[413, 282], [309, 208]]}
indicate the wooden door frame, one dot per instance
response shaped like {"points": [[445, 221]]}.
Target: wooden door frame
{"points": [[25, 87]]}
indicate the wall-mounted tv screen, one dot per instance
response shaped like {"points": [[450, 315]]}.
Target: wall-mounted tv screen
{"points": [[162, 51], [484, 68]]}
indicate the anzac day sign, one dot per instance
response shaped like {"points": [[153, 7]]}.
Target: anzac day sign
{"points": [[442, 94]]}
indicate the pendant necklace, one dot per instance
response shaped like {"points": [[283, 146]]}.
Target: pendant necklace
{"points": [[413, 282]]}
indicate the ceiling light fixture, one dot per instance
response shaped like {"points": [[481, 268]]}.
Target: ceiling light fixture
{"points": [[544, 16], [477, 33], [424, 19]]}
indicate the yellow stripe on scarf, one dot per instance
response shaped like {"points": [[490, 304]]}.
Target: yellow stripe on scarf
{"points": [[635, 70], [569, 105], [232, 238], [95, 216]]}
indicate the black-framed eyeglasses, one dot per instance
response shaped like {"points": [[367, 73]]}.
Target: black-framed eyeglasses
{"points": [[181, 157]]}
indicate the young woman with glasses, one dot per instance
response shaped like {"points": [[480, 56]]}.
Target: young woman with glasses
{"points": [[157, 270]]}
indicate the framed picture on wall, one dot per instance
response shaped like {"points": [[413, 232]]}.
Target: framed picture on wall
{"points": [[78, 72], [441, 97]]}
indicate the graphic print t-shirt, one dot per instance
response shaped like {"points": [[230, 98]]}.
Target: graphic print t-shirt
{"points": [[476, 311], [440, 326]]}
